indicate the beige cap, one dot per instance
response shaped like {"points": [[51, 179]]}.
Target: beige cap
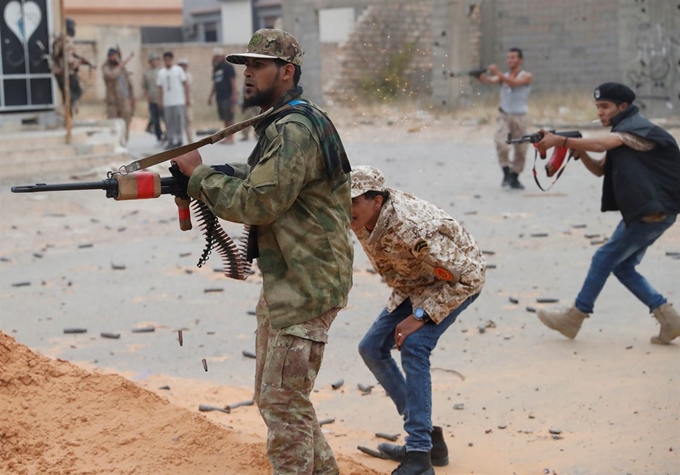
{"points": [[217, 51], [366, 178]]}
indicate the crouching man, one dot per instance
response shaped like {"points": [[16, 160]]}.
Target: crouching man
{"points": [[435, 270], [641, 170]]}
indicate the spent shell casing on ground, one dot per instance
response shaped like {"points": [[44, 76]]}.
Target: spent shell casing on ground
{"points": [[338, 384], [249, 402], [205, 364], [384, 435], [113, 336], [208, 408], [371, 452], [180, 337]]}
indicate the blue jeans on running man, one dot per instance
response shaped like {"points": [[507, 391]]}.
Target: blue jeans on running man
{"points": [[412, 392], [620, 255]]}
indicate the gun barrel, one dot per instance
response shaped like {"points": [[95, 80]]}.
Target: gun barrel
{"points": [[108, 184]]}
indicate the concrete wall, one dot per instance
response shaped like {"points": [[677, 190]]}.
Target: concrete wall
{"points": [[237, 22], [336, 24], [649, 54], [566, 45], [579, 44], [200, 64], [93, 42]]}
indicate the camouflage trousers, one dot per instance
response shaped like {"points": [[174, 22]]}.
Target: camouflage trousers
{"points": [[517, 126], [287, 366], [121, 110]]}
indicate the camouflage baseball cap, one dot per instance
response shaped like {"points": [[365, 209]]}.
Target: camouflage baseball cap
{"points": [[366, 178], [270, 44]]}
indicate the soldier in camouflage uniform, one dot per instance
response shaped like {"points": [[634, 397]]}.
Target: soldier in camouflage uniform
{"points": [[120, 98], [63, 56], [295, 193], [435, 270]]}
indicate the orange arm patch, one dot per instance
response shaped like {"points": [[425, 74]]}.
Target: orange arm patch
{"points": [[443, 274]]}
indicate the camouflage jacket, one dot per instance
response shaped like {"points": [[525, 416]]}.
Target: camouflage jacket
{"points": [[417, 248], [305, 249], [119, 89], [63, 48], [149, 85]]}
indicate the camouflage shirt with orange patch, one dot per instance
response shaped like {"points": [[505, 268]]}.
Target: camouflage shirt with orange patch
{"points": [[415, 247]]}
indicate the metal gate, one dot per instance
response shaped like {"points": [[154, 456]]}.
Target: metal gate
{"points": [[25, 79]]}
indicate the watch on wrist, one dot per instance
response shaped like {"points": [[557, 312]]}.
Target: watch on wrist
{"points": [[421, 315]]}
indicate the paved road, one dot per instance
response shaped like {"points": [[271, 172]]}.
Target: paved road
{"points": [[514, 368]]}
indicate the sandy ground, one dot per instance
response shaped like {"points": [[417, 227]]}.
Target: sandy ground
{"points": [[614, 396]]}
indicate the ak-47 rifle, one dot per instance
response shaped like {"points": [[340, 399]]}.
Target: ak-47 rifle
{"points": [[130, 183], [475, 73], [554, 165], [84, 60]]}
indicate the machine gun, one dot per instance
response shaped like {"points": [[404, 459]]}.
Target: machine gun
{"points": [[556, 161], [130, 183], [144, 185]]}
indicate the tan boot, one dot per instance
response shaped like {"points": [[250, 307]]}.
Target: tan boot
{"points": [[567, 322], [669, 319]]}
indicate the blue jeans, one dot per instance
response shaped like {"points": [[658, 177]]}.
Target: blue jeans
{"points": [[411, 392], [620, 255]]}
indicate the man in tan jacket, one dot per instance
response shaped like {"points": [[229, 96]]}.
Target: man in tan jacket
{"points": [[435, 270], [120, 98]]}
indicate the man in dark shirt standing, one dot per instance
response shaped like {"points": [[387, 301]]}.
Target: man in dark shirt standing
{"points": [[224, 88], [641, 171]]}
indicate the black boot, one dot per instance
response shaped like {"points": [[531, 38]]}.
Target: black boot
{"points": [[415, 463], [439, 453], [514, 182], [506, 177]]}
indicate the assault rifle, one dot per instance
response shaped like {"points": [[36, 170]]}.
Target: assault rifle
{"points": [[130, 183], [84, 60], [554, 165], [475, 73]]}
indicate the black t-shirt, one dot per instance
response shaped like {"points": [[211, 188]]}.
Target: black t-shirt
{"points": [[223, 73]]}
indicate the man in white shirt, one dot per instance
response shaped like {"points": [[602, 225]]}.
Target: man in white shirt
{"points": [[174, 97]]}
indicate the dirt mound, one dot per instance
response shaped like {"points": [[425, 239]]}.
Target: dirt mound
{"points": [[60, 419]]}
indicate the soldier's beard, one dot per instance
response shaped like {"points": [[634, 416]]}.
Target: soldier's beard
{"points": [[261, 98]]}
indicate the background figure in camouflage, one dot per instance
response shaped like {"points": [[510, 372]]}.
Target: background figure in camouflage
{"points": [[152, 95], [295, 193], [62, 53], [120, 97], [435, 270], [188, 109]]}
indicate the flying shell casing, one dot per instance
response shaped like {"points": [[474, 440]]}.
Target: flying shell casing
{"points": [[138, 186]]}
